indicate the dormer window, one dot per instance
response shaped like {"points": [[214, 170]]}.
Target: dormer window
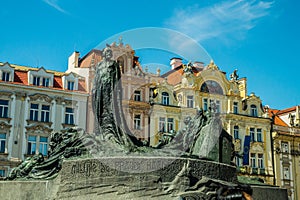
{"points": [[46, 82], [6, 72], [5, 76], [71, 85], [41, 78], [36, 80], [165, 98], [70, 81]]}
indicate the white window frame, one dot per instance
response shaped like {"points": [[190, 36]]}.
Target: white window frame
{"points": [[137, 122], [253, 160], [69, 115], [45, 114], [253, 110], [190, 101], [6, 68], [236, 132], [137, 95], [32, 150], [37, 146], [35, 117], [170, 124], [3, 140], [43, 146], [165, 98], [70, 85], [259, 136], [6, 76], [235, 107], [162, 124], [4, 109], [72, 77], [260, 160]]}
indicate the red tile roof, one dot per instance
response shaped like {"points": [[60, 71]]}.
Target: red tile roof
{"points": [[277, 119], [287, 110], [21, 77]]}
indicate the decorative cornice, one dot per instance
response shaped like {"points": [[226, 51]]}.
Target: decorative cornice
{"points": [[40, 97], [4, 126], [39, 126], [6, 94]]}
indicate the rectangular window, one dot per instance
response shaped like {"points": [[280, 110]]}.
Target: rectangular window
{"points": [[45, 114], [31, 145], [137, 122], [5, 76], [190, 101], [34, 112], [260, 161], [137, 95], [235, 107], [162, 124], [285, 147], [252, 134], [259, 135], [36, 80], [165, 98], [205, 105], [71, 85], [286, 173], [218, 106], [253, 160], [236, 132], [2, 142], [69, 116], [46, 82], [3, 108], [43, 146], [2, 173], [170, 124]]}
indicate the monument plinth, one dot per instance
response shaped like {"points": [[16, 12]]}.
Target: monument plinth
{"points": [[113, 164]]}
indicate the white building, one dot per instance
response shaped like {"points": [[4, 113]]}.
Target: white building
{"points": [[33, 103]]}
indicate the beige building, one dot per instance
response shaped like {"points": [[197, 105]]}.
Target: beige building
{"points": [[33, 103], [286, 149], [156, 103]]}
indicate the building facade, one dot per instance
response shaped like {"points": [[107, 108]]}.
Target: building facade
{"points": [[156, 104], [34, 102], [286, 149]]}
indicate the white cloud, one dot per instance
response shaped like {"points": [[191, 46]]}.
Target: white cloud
{"points": [[222, 20], [54, 4]]}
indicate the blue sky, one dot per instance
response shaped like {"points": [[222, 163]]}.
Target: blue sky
{"points": [[259, 38]]}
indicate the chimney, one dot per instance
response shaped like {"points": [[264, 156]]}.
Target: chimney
{"points": [[73, 60], [175, 62], [198, 64]]}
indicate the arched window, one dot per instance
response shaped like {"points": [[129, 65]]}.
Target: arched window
{"points": [[253, 110], [211, 87], [165, 98], [236, 132]]}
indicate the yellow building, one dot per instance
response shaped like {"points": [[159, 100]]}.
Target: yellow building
{"points": [[286, 149]]}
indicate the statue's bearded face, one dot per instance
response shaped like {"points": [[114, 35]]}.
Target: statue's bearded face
{"points": [[108, 54]]}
